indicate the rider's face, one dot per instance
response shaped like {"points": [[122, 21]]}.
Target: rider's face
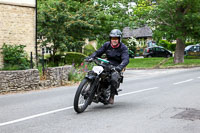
{"points": [[114, 41]]}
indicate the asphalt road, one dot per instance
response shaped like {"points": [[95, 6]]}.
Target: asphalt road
{"points": [[152, 101]]}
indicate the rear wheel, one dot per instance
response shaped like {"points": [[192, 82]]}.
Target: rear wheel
{"points": [[81, 99]]}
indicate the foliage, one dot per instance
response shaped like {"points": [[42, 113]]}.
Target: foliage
{"points": [[89, 49], [112, 14], [78, 73], [132, 43], [172, 46], [163, 43], [14, 57], [172, 19], [177, 20], [74, 57], [65, 58], [64, 24], [140, 12]]}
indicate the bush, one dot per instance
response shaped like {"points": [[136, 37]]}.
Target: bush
{"points": [[14, 57], [89, 49], [171, 46], [78, 73], [167, 45], [163, 43], [131, 43], [189, 43], [66, 58], [74, 58]]}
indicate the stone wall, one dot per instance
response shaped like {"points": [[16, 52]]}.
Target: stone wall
{"points": [[56, 76], [21, 80], [17, 26], [24, 80]]}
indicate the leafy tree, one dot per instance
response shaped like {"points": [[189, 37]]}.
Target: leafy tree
{"points": [[65, 24], [179, 20], [140, 12], [112, 14]]}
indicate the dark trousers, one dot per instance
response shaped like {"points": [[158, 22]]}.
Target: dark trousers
{"points": [[115, 77]]}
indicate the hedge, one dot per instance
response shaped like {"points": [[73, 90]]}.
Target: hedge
{"points": [[74, 57], [171, 46], [89, 49], [68, 58]]}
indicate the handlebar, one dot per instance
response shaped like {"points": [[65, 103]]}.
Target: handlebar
{"points": [[101, 62]]}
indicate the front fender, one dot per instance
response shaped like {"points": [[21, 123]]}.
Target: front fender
{"points": [[91, 75]]}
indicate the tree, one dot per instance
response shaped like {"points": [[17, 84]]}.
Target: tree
{"points": [[179, 20], [65, 24], [112, 14]]}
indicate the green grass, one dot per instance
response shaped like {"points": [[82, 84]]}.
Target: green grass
{"points": [[161, 63], [144, 62], [188, 62]]}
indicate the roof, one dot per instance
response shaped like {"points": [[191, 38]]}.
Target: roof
{"points": [[137, 33]]}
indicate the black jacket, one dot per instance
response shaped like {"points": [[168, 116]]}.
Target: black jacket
{"points": [[117, 56]]}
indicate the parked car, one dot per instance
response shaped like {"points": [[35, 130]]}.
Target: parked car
{"points": [[157, 51], [192, 50]]}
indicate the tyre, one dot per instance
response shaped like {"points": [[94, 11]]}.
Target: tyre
{"points": [[81, 99], [149, 56], [168, 56]]}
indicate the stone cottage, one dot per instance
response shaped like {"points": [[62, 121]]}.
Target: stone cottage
{"points": [[143, 34], [18, 24]]}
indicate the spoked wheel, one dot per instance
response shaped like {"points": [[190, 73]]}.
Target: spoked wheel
{"points": [[81, 99]]}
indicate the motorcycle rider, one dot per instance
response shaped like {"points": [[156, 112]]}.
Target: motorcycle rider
{"points": [[117, 53]]}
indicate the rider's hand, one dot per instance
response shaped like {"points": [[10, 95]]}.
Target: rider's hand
{"points": [[88, 59], [118, 69]]}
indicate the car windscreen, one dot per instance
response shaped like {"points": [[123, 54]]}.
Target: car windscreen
{"points": [[188, 47]]}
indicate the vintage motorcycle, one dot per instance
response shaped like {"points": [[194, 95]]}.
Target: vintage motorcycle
{"points": [[95, 87]]}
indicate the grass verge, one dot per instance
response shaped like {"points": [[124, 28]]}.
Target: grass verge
{"points": [[144, 62], [150, 63]]}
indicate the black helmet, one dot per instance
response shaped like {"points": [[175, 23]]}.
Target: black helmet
{"points": [[116, 33]]}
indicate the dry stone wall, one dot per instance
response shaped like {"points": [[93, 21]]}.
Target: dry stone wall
{"points": [[25, 80], [56, 76], [22, 80]]}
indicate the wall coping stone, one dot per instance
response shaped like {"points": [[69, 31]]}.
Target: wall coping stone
{"points": [[17, 4]]}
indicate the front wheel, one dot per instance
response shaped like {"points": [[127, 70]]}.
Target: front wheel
{"points": [[81, 99]]}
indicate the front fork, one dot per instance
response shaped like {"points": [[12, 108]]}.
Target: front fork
{"points": [[94, 85]]}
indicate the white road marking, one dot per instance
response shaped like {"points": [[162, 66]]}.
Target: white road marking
{"points": [[198, 77], [138, 91], [63, 109], [34, 116], [183, 81]]}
